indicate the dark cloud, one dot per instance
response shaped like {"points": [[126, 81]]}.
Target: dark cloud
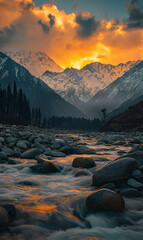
{"points": [[26, 5], [135, 11], [87, 26], [6, 34], [45, 27], [52, 20]]}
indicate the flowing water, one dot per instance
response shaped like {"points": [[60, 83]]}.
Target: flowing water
{"points": [[52, 206]]}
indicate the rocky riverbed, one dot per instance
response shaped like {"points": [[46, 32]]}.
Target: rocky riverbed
{"points": [[70, 185]]}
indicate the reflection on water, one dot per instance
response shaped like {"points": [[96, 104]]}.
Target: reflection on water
{"points": [[53, 206]]}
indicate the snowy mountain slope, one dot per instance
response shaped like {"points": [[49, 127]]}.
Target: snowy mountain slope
{"points": [[78, 86], [127, 87], [35, 62], [39, 93]]}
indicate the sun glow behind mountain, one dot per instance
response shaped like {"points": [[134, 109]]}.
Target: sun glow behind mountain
{"points": [[71, 39]]}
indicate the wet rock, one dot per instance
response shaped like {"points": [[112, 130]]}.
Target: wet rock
{"points": [[66, 149], [135, 184], [87, 150], [51, 153], [115, 171], [11, 140], [56, 145], [4, 218], [115, 138], [32, 138], [47, 167], [8, 151], [2, 140], [81, 173], [3, 156], [24, 134], [138, 155], [22, 145], [17, 152], [40, 146], [130, 193], [31, 153], [105, 200], [136, 148], [11, 211], [137, 175], [83, 162], [135, 141]]}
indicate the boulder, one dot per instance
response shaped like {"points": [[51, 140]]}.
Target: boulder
{"points": [[11, 140], [46, 167], [138, 155], [31, 153], [17, 152], [130, 193], [83, 162], [10, 210], [3, 156], [137, 175], [105, 200], [56, 145], [2, 140], [115, 171], [135, 141], [40, 146], [135, 184], [4, 218], [22, 145], [136, 148], [8, 151], [51, 153], [115, 138], [66, 149]]}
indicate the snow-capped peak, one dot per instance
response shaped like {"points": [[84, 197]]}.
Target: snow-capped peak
{"points": [[36, 62]]}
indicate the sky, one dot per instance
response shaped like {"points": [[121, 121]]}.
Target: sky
{"points": [[74, 33]]}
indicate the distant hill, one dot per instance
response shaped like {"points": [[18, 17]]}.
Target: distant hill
{"points": [[130, 120], [124, 107]]}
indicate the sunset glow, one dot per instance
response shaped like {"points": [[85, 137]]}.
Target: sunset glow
{"points": [[71, 39]]}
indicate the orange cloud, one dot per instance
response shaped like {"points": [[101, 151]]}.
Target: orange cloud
{"points": [[72, 40]]}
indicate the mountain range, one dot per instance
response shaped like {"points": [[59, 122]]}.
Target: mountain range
{"points": [[35, 62], [127, 87], [79, 86], [38, 92]]}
